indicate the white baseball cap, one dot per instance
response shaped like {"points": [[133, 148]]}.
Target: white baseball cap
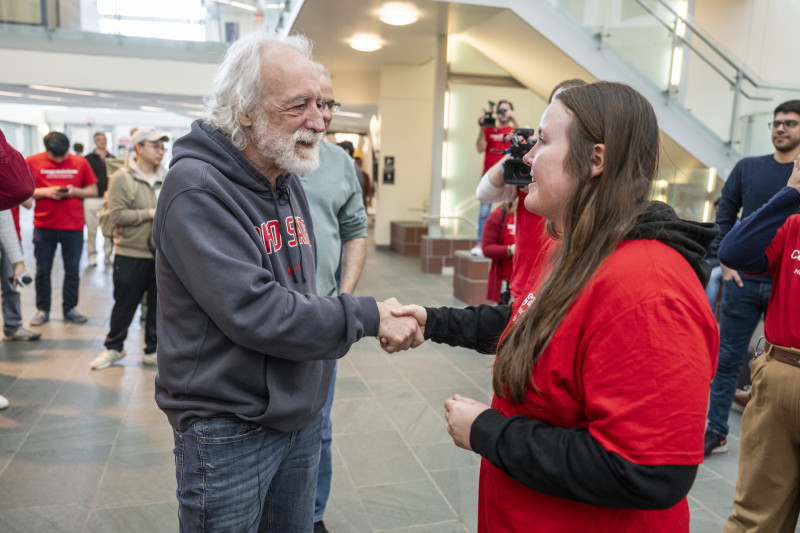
{"points": [[149, 134]]}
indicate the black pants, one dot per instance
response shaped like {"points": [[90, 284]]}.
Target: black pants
{"points": [[132, 278]]}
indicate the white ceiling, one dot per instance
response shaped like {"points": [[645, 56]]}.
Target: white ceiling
{"points": [[329, 24]]}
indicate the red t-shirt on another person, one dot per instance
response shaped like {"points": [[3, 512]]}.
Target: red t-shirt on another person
{"points": [[532, 252], [498, 234], [66, 214], [495, 147], [780, 325], [632, 363]]}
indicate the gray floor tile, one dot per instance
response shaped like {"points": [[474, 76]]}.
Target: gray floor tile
{"points": [[460, 488], [52, 477], [399, 505], [52, 519], [153, 518], [378, 458], [155, 480]]}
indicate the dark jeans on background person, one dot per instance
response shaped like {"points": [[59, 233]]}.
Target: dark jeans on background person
{"points": [[325, 474], [133, 277], [45, 242], [740, 313], [12, 311], [239, 476]]}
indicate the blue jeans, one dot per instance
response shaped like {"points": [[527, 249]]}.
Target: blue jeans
{"points": [[712, 287], [483, 214], [740, 312], [12, 311], [239, 476], [325, 462], [45, 242]]}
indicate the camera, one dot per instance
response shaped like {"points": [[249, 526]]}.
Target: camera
{"points": [[488, 117], [22, 281], [515, 171]]}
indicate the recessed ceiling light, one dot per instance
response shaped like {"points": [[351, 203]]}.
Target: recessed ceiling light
{"points": [[398, 13], [366, 42]]}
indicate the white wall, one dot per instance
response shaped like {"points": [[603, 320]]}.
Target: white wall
{"points": [[406, 108], [97, 72]]}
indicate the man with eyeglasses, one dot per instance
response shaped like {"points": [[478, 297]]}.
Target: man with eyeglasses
{"points": [[246, 347], [340, 228], [753, 181], [132, 195]]}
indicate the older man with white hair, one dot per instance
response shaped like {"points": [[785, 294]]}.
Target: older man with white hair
{"points": [[245, 346]]}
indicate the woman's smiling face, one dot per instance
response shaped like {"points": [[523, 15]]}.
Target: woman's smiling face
{"points": [[552, 184]]}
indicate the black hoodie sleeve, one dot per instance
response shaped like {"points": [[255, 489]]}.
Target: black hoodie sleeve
{"points": [[478, 328], [570, 463], [745, 246]]}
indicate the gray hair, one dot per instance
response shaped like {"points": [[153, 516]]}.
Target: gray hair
{"points": [[322, 70], [237, 89]]}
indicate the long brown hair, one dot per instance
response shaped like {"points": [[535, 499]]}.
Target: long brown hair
{"points": [[598, 215]]}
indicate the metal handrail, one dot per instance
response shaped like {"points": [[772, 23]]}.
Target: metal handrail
{"points": [[711, 45], [428, 218]]}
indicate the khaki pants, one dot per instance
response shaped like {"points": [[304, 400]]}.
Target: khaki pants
{"points": [[90, 208], [768, 484]]}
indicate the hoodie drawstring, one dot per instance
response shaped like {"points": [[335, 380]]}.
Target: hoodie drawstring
{"points": [[283, 193]]}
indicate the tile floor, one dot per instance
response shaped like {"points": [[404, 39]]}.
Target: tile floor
{"points": [[84, 451]]}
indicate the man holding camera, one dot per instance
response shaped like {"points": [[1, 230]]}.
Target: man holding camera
{"points": [[493, 142], [63, 180], [533, 245]]}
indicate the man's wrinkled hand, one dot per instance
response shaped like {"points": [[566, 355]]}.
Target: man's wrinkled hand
{"points": [[396, 333], [419, 314]]}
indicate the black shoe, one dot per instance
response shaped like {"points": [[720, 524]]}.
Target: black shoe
{"points": [[319, 527], [714, 443]]}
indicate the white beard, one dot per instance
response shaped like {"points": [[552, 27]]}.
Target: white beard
{"points": [[274, 145]]}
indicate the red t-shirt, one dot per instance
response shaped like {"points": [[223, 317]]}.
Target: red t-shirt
{"points": [[498, 235], [780, 324], [15, 216], [632, 362], [494, 143], [532, 252], [66, 214]]}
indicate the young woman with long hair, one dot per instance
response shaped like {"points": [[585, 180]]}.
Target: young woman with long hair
{"points": [[602, 371]]}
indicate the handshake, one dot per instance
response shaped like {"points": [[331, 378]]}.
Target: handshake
{"points": [[402, 326]]}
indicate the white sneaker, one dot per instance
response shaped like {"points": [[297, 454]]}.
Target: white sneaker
{"points": [[477, 250], [105, 359], [149, 359], [3, 402]]}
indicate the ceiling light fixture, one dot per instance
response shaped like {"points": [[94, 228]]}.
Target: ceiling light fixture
{"points": [[60, 90], [240, 5], [365, 42], [398, 13]]}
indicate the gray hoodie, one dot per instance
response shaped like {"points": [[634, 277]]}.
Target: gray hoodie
{"points": [[240, 329]]}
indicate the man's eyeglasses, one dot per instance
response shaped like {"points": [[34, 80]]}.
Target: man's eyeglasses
{"points": [[787, 124], [333, 106], [159, 147]]}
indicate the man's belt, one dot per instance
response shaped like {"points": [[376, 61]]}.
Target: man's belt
{"points": [[790, 356]]}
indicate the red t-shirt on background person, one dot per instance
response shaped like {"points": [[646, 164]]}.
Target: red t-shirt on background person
{"points": [[532, 251], [495, 147], [498, 234], [780, 326], [66, 214]]}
